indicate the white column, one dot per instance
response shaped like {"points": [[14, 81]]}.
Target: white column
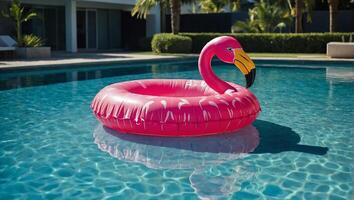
{"points": [[153, 21], [70, 25]]}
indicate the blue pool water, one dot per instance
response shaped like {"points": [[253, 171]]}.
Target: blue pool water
{"points": [[52, 147]]}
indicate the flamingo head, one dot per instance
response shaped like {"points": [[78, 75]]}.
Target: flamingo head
{"points": [[229, 50]]}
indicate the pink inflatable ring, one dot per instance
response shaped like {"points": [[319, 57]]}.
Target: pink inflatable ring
{"points": [[174, 107]]}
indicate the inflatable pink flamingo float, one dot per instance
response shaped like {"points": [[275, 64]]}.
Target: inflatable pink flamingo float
{"points": [[174, 107]]}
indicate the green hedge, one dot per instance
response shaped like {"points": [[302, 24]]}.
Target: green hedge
{"points": [[169, 43], [268, 42]]}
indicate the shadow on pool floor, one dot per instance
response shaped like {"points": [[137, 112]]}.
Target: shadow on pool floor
{"points": [[275, 138]]}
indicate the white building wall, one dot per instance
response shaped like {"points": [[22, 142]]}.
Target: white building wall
{"points": [[152, 21], [70, 26]]}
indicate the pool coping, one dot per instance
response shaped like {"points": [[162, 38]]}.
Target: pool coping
{"points": [[162, 59], [75, 65]]}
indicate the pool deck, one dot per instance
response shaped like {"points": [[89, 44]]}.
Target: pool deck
{"points": [[73, 59], [61, 59]]}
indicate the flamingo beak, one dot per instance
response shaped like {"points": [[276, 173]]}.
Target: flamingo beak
{"points": [[243, 62]]}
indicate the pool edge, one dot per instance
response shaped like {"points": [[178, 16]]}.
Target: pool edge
{"points": [[75, 65]]}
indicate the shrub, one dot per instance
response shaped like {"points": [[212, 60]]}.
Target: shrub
{"points": [[32, 41], [274, 42], [170, 43]]}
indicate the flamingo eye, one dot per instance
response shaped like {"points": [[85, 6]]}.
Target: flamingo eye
{"points": [[229, 49]]}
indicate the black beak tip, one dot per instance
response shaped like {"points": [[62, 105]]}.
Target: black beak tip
{"points": [[250, 77]]}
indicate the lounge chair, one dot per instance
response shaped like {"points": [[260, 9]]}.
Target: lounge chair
{"points": [[7, 46]]}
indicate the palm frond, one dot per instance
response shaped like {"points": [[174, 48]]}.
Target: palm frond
{"points": [[29, 16], [213, 6], [309, 5], [265, 17], [143, 7], [235, 5], [32, 41], [5, 14]]}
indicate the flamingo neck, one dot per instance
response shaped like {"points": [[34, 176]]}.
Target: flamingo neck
{"points": [[207, 72]]}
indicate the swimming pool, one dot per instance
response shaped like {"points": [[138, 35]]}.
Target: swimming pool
{"points": [[51, 146]]}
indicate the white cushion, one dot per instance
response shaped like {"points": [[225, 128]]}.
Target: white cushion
{"points": [[7, 48], [7, 41], [340, 49]]}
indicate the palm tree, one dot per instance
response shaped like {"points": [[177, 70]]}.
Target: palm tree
{"points": [[298, 16], [213, 6], [175, 8], [333, 9], [143, 7], [301, 7], [235, 5], [217, 6], [18, 15], [264, 17]]}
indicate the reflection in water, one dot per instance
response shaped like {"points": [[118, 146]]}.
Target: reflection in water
{"points": [[340, 74], [216, 183], [177, 153], [205, 155], [197, 152], [201, 154], [29, 78]]}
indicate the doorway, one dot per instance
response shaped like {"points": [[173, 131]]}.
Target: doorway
{"points": [[86, 29]]}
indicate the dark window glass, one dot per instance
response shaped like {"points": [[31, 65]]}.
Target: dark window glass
{"points": [[91, 29], [81, 29]]}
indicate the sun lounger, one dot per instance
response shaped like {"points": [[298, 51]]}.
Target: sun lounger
{"points": [[7, 46]]}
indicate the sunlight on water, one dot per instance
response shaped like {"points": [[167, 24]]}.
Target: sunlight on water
{"points": [[52, 147]]}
